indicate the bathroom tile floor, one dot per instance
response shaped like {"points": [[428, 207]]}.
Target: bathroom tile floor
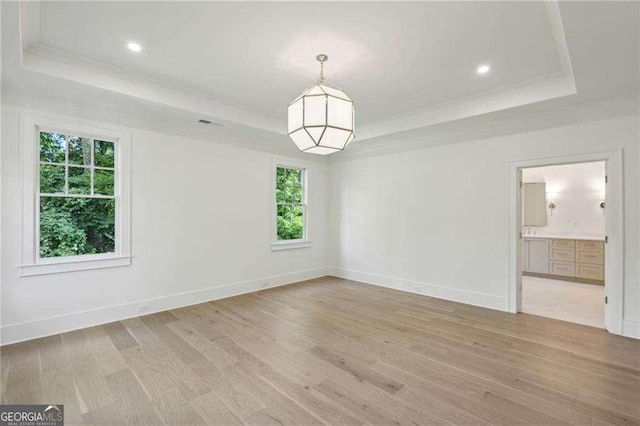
{"points": [[564, 300]]}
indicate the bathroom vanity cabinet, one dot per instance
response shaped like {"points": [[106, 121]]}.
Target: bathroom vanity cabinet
{"points": [[563, 258]]}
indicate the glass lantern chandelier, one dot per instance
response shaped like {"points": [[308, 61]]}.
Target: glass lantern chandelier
{"points": [[321, 120]]}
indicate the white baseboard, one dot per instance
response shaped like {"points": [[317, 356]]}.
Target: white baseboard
{"points": [[631, 328], [15, 333], [441, 292]]}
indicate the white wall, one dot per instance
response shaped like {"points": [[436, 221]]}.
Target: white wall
{"points": [[577, 191], [201, 229], [435, 220]]}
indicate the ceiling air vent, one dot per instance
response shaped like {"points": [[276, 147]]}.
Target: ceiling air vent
{"points": [[203, 121]]}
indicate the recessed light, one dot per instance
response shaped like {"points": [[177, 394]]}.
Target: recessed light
{"points": [[134, 47], [483, 69]]}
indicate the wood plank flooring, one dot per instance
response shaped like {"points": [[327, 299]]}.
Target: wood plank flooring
{"points": [[330, 351]]}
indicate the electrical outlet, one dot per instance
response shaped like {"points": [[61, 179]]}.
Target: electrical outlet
{"points": [[144, 308]]}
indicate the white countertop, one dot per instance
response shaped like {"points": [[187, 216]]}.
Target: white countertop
{"points": [[566, 237]]}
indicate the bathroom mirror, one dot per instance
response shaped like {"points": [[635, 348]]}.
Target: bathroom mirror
{"points": [[534, 204]]}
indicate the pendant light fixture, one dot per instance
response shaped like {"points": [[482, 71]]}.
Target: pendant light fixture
{"points": [[321, 120]]}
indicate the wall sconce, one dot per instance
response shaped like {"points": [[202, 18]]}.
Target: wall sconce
{"points": [[552, 206]]}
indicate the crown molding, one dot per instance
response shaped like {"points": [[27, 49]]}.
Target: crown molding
{"points": [[475, 128], [558, 84], [143, 115], [55, 62], [45, 59], [537, 90], [29, 23]]}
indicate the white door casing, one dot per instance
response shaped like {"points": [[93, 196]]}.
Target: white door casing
{"points": [[614, 225]]}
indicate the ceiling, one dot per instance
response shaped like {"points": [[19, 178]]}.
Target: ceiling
{"points": [[391, 58], [408, 66]]}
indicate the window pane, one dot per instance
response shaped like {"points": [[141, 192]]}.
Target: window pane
{"points": [[52, 146], [103, 182], [289, 187], [51, 179], [79, 180], [290, 222], [79, 151], [104, 154], [75, 226], [296, 189]]}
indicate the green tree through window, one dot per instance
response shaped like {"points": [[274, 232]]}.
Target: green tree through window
{"points": [[290, 203], [76, 198]]}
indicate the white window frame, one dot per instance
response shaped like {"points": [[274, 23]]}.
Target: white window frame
{"points": [[32, 263], [305, 241]]}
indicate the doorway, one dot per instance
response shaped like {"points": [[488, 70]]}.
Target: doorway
{"points": [[563, 233], [563, 261]]}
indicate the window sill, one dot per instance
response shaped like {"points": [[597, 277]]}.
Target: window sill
{"points": [[71, 266], [288, 245]]}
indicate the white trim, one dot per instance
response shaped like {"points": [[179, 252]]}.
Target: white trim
{"points": [[614, 224], [516, 122], [32, 264], [153, 120], [305, 241], [287, 245], [29, 24], [416, 287], [74, 265], [517, 251], [540, 89], [631, 328], [20, 332], [550, 86], [45, 59], [557, 30], [49, 60]]}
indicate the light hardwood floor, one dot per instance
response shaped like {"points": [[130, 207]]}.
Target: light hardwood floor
{"points": [[330, 351]]}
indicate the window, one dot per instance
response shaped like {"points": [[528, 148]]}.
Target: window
{"points": [[290, 207], [77, 198], [76, 201]]}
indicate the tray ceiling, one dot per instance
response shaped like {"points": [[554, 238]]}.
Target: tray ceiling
{"points": [[406, 65], [392, 58]]}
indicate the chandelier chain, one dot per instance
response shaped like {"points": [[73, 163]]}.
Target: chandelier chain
{"points": [[321, 58]]}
